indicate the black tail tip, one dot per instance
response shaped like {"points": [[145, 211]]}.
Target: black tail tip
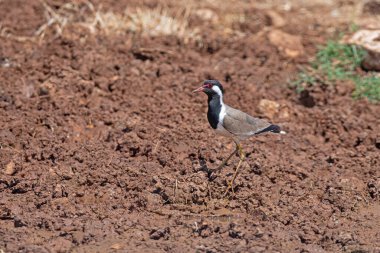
{"points": [[274, 129]]}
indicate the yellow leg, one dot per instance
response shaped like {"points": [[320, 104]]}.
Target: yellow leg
{"points": [[227, 159], [242, 157]]}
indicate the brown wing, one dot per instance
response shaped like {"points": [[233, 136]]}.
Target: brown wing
{"points": [[241, 124]]}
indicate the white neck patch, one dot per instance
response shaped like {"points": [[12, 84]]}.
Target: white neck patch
{"points": [[217, 90], [223, 109]]}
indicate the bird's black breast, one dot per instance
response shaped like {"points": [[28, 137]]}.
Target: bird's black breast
{"points": [[214, 108]]}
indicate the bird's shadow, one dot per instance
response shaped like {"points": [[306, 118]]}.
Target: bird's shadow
{"points": [[210, 172], [203, 166]]}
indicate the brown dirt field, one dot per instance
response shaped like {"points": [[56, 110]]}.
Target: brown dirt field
{"points": [[104, 148]]}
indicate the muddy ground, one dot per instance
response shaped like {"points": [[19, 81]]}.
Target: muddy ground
{"points": [[104, 148]]}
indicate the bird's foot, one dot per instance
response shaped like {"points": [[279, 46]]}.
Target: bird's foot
{"points": [[212, 172]]}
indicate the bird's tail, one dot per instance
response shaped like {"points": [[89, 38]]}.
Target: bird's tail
{"points": [[275, 129], [272, 128]]}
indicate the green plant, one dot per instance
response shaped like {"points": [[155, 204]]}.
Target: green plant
{"points": [[338, 61], [335, 61], [353, 28], [368, 87], [304, 78]]}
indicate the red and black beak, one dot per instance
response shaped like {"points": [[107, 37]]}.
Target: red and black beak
{"points": [[202, 88]]}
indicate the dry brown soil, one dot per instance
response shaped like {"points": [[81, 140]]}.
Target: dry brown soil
{"points": [[104, 148]]}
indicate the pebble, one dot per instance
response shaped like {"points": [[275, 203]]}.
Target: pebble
{"points": [[10, 169]]}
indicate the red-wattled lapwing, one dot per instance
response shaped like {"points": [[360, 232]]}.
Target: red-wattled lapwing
{"points": [[232, 123]]}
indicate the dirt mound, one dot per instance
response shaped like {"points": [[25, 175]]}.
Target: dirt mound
{"points": [[103, 147]]}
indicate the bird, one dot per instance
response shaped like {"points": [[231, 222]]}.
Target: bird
{"points": [[233, 123]]}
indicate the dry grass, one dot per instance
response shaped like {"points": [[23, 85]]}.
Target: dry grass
{"points": [[223, 18], [147, 22], [5, 32], [158, 22], [57, 20]]}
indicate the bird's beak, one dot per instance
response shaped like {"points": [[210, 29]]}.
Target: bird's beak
{"points": [[199, 89]]}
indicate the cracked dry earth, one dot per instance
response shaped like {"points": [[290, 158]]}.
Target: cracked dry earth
{"points": [[103, 148]]}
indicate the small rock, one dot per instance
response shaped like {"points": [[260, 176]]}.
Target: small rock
{"points": [[275, 19], [373, 187], [290, 45], [162, 160], [117, 246], [5, 213], [284, 113], [79, 193], [305, 238], [59, 191], [18, 103], [207, 15], [66, 172], [10, 169], [370, 41], [259, 233], [234, 232], [46, 88], [377, 143], [372, 7], [351, 183], [371, 61], [5, 62], [135, 71], [269, 108], [344, 238], [157, 234], [19, 223]]}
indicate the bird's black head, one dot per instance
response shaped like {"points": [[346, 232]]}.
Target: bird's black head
{"points": [[211, 88]]}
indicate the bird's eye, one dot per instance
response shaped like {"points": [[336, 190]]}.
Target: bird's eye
{"points": [[208, 85]]}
